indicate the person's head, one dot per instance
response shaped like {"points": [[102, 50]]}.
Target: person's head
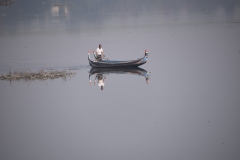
{"points": [[101, 87], [100, 46]]}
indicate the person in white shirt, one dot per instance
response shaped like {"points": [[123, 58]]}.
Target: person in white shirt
{"points": [[99, 52]]}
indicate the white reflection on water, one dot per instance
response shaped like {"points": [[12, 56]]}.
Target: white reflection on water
{"points": [[55, 11]]}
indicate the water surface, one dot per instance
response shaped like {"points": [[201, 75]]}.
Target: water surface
{"points": [[188, 110]]}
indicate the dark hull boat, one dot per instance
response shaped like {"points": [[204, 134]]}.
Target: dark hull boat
{"points": [[119, 64]]}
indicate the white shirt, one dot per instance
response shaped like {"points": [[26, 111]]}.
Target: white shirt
{"points": [[99, 51]]}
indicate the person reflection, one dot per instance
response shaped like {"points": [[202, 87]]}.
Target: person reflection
{"points": [[100, 78]]}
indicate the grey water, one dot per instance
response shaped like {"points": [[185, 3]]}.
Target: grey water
{"points": [[189, 109]]}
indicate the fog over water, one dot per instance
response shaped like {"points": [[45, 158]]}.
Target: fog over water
{"points": [[182, 104]]}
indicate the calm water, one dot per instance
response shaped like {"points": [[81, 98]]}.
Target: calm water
{"points": [[189, 109]]}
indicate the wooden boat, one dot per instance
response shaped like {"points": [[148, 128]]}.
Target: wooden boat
{"points": [[107, 71], [112, 63]]}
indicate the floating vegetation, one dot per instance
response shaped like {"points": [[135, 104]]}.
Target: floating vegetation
{"points": [[6, 2], [40, 75]]}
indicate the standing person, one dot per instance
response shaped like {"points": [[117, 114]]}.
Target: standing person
{"points": [[99, 52]]}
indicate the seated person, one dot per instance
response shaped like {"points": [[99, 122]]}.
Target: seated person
{"points": [[99, 53]]}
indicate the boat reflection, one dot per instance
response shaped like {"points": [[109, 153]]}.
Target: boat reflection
{"points": [[101, 73]]}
